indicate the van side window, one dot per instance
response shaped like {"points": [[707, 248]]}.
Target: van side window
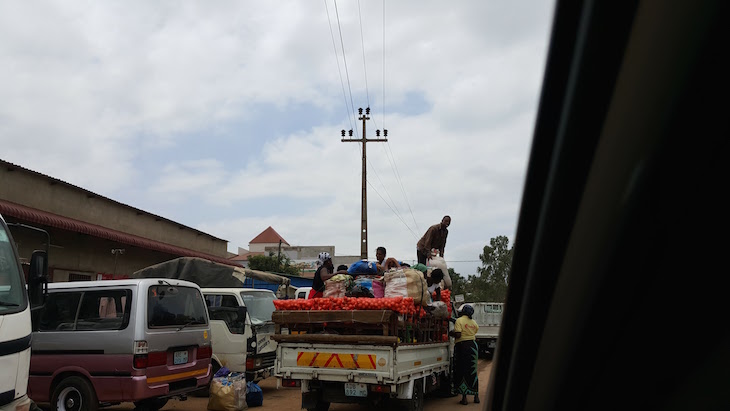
{"points": [[225, 308], [59, 312], [104, 310]]}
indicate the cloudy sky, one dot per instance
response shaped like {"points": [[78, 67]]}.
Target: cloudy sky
{"points": [[225, 116]]}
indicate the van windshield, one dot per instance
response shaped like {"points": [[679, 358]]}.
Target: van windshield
{"points": [[175, 306], [260, 305], [12, 290]]}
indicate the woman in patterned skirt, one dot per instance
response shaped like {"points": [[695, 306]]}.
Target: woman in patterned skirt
{"points": [[466, 355]]}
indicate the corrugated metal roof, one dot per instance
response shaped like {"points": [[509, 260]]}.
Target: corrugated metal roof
{"points": [[11, 166], [53, 220], [268, 236]]}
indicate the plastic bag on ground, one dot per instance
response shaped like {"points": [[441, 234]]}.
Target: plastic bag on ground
{"points": [[227, 394], [254, 395]]}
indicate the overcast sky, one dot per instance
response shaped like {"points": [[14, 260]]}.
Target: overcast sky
{"points": [[225, 116]]}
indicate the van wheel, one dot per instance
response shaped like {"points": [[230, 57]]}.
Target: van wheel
{"points": [[74, 394], [150, 404]]}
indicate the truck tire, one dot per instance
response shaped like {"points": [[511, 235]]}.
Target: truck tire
{"points": [[416, 401], [74, 394], [320, 406]]}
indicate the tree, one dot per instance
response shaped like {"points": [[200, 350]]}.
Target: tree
{"points": [[458, 283], [273, 264], [491, 282]]}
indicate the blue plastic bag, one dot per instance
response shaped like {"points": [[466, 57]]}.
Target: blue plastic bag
{"points": [[362, 267], [222, 372], [254, 395]]}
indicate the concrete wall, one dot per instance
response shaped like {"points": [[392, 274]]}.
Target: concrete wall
{"points": [[311, 253], [37, 191]]}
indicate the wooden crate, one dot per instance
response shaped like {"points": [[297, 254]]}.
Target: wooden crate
{"points": [[343, 322]]}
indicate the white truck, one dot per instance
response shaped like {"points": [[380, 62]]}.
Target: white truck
{"points": [[353, 367], [489, 318], [15, 318], [241, 327]]}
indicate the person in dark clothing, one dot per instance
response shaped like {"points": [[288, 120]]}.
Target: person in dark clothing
{"points": [[323, 273], [434, 238]]}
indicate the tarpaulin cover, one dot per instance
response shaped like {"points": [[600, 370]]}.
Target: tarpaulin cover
{"points": [[206, 273]]}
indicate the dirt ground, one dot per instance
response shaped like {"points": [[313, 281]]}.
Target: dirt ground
{"points": [[285, 399]]}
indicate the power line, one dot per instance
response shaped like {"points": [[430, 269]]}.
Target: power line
{"points": [[362, 42], [344, 58], [383, 64], [396, 214], [337, 60]]}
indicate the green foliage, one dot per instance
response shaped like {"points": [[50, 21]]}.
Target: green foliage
{"points": [[458, 283], [490, 284], [273, 264]]}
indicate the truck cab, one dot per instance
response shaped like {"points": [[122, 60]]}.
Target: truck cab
{"points": [[241, 325]]}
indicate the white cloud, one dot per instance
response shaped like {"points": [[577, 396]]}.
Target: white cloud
{"points": [[106, 95]]}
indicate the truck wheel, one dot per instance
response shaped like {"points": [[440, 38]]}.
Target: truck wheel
{"points": [[416, 401], [74, 394], [320, 406]]}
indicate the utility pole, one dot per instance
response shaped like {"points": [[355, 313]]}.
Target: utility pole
{"points": [[364, 211]]}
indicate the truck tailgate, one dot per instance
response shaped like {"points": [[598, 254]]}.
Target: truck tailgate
{"points": [[373, 364], [361, 363]]}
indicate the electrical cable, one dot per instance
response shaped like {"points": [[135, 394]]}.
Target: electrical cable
{"points": [[344, 58], [362, 42], [337, 60]]}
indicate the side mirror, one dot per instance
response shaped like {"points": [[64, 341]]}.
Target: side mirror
{"points": [[38, 278]]}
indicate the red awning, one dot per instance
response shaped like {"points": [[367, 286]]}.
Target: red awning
{"points": [[53, 220]]}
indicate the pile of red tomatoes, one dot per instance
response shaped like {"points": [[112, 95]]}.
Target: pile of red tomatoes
{"points": [[403, 305]]}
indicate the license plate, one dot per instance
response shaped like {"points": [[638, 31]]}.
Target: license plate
{"points": [[356, 390], [180, 357]]}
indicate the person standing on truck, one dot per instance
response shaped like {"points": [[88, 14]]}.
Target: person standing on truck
{"points": [[323, 273], [466, 355], [434, 238]]}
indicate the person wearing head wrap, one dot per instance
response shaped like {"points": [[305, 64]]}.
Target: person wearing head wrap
{"points": [[466, 355], [324, 272]]}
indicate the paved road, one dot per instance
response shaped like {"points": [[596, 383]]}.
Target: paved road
{"points": [[285, 399]]}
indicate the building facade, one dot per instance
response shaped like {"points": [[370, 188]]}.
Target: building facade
{"points": [[91, 236]]}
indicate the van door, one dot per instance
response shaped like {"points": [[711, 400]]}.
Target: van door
{"points": [[261, 348], [229, 330]]}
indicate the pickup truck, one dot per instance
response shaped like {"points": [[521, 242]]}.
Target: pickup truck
{"points": [[362, 356], [489, 318], [240, 322]]}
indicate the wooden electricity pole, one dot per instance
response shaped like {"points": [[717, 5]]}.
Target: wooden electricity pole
{"points": [[364, 211]]}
